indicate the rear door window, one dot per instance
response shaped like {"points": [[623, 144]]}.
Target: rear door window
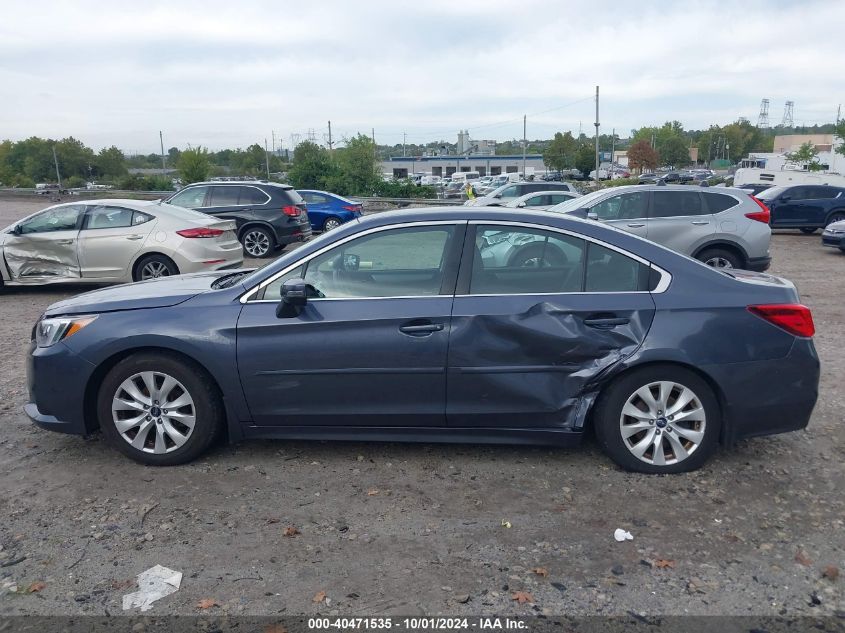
{"points": [[612, 271], [105, 217], [224, 196], [669, 204]]}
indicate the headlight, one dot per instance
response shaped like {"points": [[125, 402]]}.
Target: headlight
{"points": [[50, 331]]}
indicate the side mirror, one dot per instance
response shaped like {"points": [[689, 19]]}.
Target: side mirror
{"points": [[294, 295], [592, 215], [522, 205], [17, 230], [785, 198]]}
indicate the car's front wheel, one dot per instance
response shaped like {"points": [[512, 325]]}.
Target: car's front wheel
{"points": [[159, 409], [659, 419]]}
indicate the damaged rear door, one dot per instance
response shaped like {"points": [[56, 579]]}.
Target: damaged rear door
{"points": [[44, 247], [537, 315]]}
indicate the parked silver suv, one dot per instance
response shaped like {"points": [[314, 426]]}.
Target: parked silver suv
{"points": [[720, 226]]}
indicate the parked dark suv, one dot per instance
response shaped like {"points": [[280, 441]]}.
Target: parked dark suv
{"points": [[268, 215], [805, 207]]}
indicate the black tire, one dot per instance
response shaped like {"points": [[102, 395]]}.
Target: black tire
{"points": [[207, 408], [537, 256], [258, 242], [709, 255], [808, 231], [331, 223], [147, 265], [836, 216], [608, 412]]}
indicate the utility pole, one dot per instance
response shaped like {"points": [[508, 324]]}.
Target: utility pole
{"points": [[524, 142], [330, 136], [266, 158], [56, 162], [163, 166], [403, 144], [273, 133], [838, 112], [597, 135], [613, 148]]}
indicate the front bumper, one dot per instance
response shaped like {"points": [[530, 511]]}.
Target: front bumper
{"points": [[834, 240], [57, 379]]}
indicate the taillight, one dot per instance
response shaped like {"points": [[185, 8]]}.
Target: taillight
{"points": [[763, 215], [792, 317], [200, 232], [352, 207], [291, 211]]}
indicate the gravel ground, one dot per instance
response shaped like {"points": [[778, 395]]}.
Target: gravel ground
{"points": [[413, 529]]}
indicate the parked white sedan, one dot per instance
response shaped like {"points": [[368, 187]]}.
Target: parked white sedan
{"points": [[541, 200], [104, 241]]}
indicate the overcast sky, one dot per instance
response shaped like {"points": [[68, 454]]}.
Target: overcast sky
{"points": [[227, 74]]}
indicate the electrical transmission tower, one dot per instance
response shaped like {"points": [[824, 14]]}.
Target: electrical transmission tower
{"points": [[787, 114], [294, 139], [311, 134], [763, 119]]}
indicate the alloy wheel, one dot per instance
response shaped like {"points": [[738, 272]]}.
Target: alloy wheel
{"points": [[331, 223], [718, 262], [662, 423], [154, 270], [256, 243], [153, 412]]}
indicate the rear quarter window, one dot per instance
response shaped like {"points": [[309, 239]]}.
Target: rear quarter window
{"points": [[252, 195], [718, 202]]}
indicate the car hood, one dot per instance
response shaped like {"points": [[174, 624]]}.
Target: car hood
{"points": [[155, 293]]}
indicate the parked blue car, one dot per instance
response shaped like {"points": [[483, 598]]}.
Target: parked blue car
{"points": [[328, 211], [397, 327], [805, 207]]}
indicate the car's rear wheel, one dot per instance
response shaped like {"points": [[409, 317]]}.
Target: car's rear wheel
{"points": [[159, 410], [258, 242], [659, 419], [153, 267], [719, 258], [538, 256], [331, 223], [808, 231]]}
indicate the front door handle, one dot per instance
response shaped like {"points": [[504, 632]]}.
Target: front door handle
{"points": [[636, 225], [606, 322], [134, 237], [701, 222], [64, 241], [420, 329]]}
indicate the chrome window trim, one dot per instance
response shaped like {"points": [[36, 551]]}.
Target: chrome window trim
{"points": [[376, 229], [662, 285]]}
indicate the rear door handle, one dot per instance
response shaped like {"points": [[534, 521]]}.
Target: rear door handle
{"points": [[606, 322], [421, 328], [636, 225], [701, 223], [134, 237], [64, 241]]}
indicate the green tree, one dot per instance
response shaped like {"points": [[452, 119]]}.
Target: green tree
{"points": [[806, 155], [839, 132], [674, 151], [641, 155], [75, 159], [312, 165], [585, 158], [194, 164], [358, 165], [560, 153], [111, 162]]}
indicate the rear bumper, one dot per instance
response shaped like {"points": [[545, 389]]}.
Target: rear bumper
{"points": [[768, 397], [288, 234], [759, 264]]}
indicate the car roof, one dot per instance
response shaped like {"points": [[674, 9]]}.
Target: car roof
{"points": [[254, 183]]}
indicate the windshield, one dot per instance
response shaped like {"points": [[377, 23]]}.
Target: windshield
{"points": [[768, 194], [578, 203]]}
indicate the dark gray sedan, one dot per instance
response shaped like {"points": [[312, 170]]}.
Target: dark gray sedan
{"points": [[399, 327]]}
